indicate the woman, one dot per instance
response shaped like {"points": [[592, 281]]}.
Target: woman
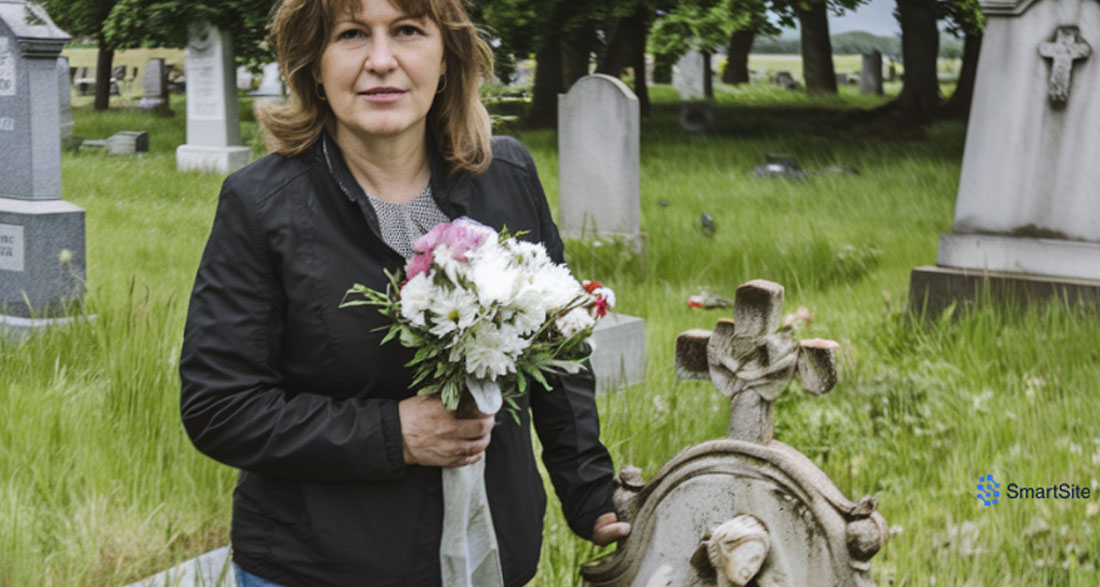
{"points": [[382, 137]]}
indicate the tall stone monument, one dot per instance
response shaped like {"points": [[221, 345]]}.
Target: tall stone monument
{"points": [[745, 509], [213, 127], [1027, 217], [599, 159], [41, 235], [870, 75]]}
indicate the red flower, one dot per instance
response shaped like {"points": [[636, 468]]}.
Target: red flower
{"points": [[591, 285]]}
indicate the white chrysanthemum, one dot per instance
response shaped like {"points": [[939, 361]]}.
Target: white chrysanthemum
{"points": [[493, 274], [491, 350], [530, 255], [452, 310], [557, 286], [416, 298], [575, 321]]}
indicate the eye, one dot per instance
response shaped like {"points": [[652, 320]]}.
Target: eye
{"points": [[408, 30], [351, 33]]}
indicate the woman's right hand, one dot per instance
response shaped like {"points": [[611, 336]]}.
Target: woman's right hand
{"points": [[433, 437]]}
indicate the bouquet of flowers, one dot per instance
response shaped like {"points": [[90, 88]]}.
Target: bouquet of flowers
{"points": [[487, 313]]}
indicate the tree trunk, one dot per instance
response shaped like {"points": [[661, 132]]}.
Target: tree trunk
{"points": [[104, 59], [627, 49], [817, 49], [737, 54], [920, 45], [708, 77], [958, 106], [576, 55], [641, 85], [548, 82]]}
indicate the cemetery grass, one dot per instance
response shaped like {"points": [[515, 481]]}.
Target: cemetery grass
{"points": [[100, 486]]}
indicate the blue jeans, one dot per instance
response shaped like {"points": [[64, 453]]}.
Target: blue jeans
{"points": [[246, 579]]}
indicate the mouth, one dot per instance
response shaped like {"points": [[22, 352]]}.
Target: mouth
{"points": [[383, 94]]}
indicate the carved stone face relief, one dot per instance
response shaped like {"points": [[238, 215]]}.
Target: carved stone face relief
{"points": [[737, 549]]}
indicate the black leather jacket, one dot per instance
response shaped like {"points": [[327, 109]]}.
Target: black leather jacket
{"points": [[299, 395]]}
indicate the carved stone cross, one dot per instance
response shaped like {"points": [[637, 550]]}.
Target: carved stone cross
{"points": [[752, 359], [1068, 46]]}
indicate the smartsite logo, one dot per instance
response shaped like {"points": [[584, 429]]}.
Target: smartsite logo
{"points": [[989, 490]]}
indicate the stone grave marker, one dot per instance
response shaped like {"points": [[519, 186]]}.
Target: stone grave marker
{"points": [[870, 76], [244, 79], [688, 76], [1027, 217], [123, 143], [155, 87], [618, 359], [745, 509], [213, 128], [41, 235], [271, 87], [598, 159], [65, 98], [786, 80]]}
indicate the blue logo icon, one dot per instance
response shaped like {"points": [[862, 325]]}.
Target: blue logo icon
{"points": [[988, 490]]}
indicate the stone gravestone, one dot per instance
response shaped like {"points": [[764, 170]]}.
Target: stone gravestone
{"points": [[213, 129], [598, 159], [244, 79], [123, 142], [41, 235], [155, 87], [598, 178], [870, 77], [65, 98], [745, 509], [272, 84], [688, 76], [786, 80], [1027, 217]]}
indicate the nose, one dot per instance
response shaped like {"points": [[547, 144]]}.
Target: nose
{"points": [[381, 59]]}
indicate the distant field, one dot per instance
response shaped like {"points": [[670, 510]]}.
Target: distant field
{"points": [[793, 63]]}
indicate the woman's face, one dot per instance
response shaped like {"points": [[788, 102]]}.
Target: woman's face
{"points": [[380, 70]]}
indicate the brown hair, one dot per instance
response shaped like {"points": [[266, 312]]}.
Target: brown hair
{"points": [[300, 30]]}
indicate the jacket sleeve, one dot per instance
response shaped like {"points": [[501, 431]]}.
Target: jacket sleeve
{"points": [[230, 400], [566, 418]]}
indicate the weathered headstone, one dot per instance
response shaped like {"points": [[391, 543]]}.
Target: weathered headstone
{"points": [[870, 77], [154, 86], [244, 79], [688, 76], [745, 509], [41, 235], [1027, 218], [213, 128], [123, 143], [784, 79], [598, 159], [65, 98], [272, 84], [618, 358]]}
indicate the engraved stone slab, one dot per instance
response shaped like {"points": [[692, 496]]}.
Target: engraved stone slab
{"points": [[1027, 189], [870, 76], [598, 159], [155, 86], [12, 247], [213, 127]]}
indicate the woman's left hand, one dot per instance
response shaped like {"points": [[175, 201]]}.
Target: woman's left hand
{"points": [[609, 529]]}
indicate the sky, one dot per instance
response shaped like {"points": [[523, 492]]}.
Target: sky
{"points": [[875, 17]]}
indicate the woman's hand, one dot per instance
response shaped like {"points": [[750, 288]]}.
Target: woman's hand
{"points": [[432, 436], [609, 529]]}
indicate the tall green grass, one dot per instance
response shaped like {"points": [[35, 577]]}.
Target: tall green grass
{"points": [[100, 486]]}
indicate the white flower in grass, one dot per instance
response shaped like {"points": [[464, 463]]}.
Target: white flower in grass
{"points": [[416, 298], [491, 350], [452, 310], [575, 321]]}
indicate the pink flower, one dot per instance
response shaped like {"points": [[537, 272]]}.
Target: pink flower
{"points": [[460, 237], [421, 262]]}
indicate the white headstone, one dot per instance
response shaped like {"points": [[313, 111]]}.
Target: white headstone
{"points": [[244, 79], [155, 86], [213, 128], [618, 356], [272, 84], [870, 76], [41, 236], [598, 159], [688, 74], [1027, 199]]}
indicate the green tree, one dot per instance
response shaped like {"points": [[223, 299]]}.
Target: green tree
{"points": [[85, 18], [817, 52]]}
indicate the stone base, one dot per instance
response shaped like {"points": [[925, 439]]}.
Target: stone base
{"points": [[932, 289], [211, 569], [1014, 254], [619, 357], [41, 257], [17, 328], [212, 159]]}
